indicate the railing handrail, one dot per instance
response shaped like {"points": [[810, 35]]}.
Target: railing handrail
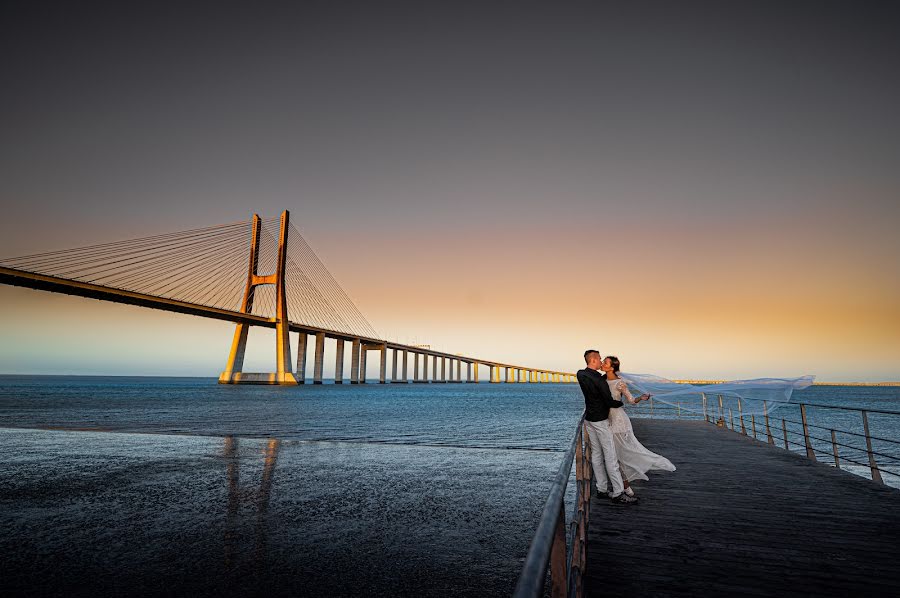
{"points": [[774, 404], [842, 408], [534, 571]]}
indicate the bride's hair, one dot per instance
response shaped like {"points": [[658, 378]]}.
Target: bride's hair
{"points": [[614, 362]]}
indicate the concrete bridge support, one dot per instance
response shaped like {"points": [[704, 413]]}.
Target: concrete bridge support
{"points": [[363, 352], [405, 376], [394, 365], [382, 368], [301, 358], [339, 362], [354, 361], [319, 359]]}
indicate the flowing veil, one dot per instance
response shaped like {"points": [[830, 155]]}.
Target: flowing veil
{"points": [[754, 396]]}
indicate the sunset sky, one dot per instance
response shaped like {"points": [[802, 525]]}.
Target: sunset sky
{"points": [[703, 190]]}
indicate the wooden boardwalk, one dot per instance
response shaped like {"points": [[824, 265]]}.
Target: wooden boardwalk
{"points": [[741, 517]]}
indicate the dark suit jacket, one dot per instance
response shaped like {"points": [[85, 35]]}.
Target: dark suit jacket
{"points": [[597, 397]]}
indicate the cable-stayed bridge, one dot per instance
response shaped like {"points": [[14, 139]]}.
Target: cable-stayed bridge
{"points": [[256, 273]]}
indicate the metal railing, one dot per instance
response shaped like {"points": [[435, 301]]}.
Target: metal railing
{"points": [[564, 554], [794, 433], [550, 547]]}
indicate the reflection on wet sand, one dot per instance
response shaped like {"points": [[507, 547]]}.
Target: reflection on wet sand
{"points": [[232, 514]]}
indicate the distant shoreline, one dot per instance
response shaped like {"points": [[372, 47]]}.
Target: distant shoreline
{"points": [[686, 381], [814, 383]]}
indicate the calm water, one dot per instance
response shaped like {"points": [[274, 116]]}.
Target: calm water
{"points": [[520, 416], [229, 489]]}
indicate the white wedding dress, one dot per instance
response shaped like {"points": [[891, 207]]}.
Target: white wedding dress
{"points": [[634, 459]]}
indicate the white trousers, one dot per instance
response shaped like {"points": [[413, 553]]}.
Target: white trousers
{"points": [[604, 458]]}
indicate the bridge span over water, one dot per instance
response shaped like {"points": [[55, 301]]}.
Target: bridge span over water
{"points": [[256, 273]]}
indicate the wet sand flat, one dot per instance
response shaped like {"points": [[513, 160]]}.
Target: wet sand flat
{"points": [[83, 513]]}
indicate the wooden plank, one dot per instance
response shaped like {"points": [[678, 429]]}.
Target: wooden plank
{"points": [[745, 518]]}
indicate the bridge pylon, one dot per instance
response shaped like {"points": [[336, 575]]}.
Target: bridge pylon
{"points": [[283, 374]]}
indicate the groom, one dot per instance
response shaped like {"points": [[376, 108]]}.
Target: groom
{"points": [[597, 403]]}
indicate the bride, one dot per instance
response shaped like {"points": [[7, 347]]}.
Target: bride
{"points": [[634, 459]]}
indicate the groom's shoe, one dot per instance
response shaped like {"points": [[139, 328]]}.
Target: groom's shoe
{"points": [[623, 499]]}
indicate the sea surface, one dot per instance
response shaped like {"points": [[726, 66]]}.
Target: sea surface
{"points": [[391, 489]]}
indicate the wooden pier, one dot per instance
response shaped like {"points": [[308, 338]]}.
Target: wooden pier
{"points": [[743, 518]]}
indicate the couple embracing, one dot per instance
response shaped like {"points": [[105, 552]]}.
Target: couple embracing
{"points": [[617, 456]]}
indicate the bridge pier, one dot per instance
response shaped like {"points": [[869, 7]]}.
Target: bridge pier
{"points": [[443, 369], [394, 365], [301, 358], [354, 361], [339, 362], [363, 352], [320, 358], [382, 369], [405, 377], [458, 370], [415, 357]]}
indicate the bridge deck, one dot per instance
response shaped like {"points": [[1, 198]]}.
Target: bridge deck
{"points": [[740, 517]]}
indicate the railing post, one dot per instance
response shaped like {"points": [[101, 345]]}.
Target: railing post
{"points": [[769, 437], [558, 582], [809, 449], [651, 406], [703, 396], [741, 412], [876, 474], [837, 462], [721, 422], [787, 447], [589, 465], [731, 417]]}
